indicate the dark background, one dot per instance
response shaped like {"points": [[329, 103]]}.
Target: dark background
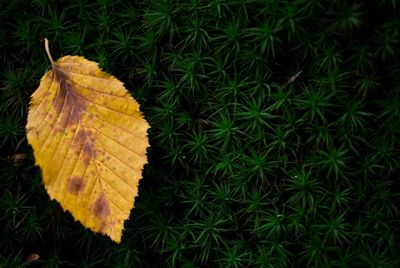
{"points": [[249, 164]]}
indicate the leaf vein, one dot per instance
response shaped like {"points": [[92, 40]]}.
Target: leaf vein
{"points": [[113, 187], [114, 140], [78, 199], [92, 76], [43, 99], [55, 123], [98, 178], [99, 104], [69, 148], [98, 91], [120, 160], [115, 173], [116, 126], [90, 193], [55, 150], [116, 205]]}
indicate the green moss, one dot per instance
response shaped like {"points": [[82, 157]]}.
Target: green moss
{"points": [[274, 131]]}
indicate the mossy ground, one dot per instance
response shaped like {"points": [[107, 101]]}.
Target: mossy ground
{"points": [[274, 131]]}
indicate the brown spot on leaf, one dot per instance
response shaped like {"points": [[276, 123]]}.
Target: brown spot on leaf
{"points": [[76, 185], [69, 101], [79, 141], [74, 105], [101, 208], [84, 146], [88, 152], [76, 114]]}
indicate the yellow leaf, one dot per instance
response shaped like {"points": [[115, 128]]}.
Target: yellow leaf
{"points": [[89, 139]]}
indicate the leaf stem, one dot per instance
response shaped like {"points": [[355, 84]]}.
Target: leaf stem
{"points": [[46, 46]]}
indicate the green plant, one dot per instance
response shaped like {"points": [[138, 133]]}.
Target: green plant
{"points": [[234, 255], [254, 116], [353, 118], [362, 57], [198, 147], [11, 131], [304, 188], [274, 131], [228, 42], [348, 18], [265, 38], [335, 229], [375, 257], [210, 234], [196, 34], [314, 102], [74, 41], [333, 160], [15, 207], [14, 93], [161, 17], [25, 35]]}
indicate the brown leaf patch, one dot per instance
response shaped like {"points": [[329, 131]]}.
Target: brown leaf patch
{"points": [[76, 185], [100, 208]]}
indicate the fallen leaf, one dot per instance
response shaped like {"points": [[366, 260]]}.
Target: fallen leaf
{"points": [[90, 140]]}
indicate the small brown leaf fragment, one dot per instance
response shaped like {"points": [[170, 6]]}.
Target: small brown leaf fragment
{"points": [[32, 257], [17, 159], [293, 78], [76, 185]]}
